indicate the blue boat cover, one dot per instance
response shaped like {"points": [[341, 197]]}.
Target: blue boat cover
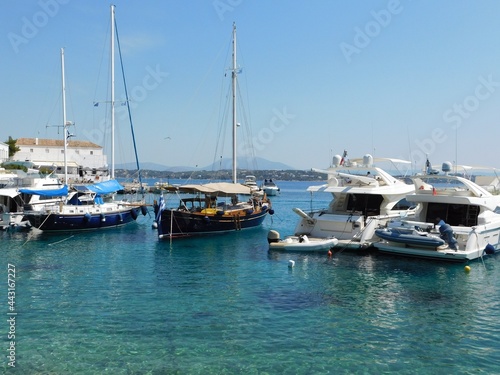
{"points": [[106, 187], [47, 192]]}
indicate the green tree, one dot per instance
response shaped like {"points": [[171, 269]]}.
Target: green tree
{"points": [[12, 146]]}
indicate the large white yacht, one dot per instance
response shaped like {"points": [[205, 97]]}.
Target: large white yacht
{"points": [[364, 197]]}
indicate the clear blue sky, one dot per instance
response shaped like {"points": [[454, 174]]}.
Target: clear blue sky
{"points": [[392, 78]]}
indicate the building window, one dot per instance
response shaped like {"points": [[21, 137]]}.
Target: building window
{"points": [[47, 150], [62, 151], [77, 151], [91, 152], [31, 150]]}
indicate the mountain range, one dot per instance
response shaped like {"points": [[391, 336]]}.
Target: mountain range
{"points": [[243, 163]]}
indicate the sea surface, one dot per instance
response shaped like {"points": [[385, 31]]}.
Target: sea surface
{"points": [[119, 301]]}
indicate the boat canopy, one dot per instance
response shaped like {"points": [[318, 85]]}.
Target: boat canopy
{"points": [[215, 188], [47, 192], [106, 187], [9, 192]]}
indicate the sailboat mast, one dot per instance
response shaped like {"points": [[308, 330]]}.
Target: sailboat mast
{"points": [[65, 135], [112, 91], [233, 76]]}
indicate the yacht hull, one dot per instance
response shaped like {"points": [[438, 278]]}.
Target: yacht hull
{"points": [[54, 222]]}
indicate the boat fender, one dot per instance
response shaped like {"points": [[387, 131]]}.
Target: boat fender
{"points": [[271, 211], [87, 217], [103, 218], [144, 210], [120, 218], [206, 219], [133, 213], [273, 236], [489, 249]]}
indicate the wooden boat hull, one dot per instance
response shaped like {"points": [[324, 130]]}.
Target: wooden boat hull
{"points": [[177, 223]]}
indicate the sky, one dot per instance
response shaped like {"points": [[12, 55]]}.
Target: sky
{"points": [[403, 79]]}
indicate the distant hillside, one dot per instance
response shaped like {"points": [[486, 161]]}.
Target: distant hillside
{"points": [[152, 167], [243, 163], [256, 164]]}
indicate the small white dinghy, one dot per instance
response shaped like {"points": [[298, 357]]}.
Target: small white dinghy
{"points": [[299, 243]]}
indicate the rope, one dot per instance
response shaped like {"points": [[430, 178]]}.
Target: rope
{"points": [[55, 243]]}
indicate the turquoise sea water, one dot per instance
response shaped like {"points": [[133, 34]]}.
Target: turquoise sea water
{"points": [[118, 301]]}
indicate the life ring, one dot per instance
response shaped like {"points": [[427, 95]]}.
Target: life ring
{"points": [[421, 187]]}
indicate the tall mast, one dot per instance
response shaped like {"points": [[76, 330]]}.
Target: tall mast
{"points": [[233, 76], [65, 132], [112, 91]]}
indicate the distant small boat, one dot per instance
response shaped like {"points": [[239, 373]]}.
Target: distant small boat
{"points": [[299, 243], [251, 182], [270, 188]]}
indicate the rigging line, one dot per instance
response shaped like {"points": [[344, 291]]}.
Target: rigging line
{"points": [[248, 131], [46, 98], [222, 129], [55, 243], [224, 104], [103, 55], [128, 109]]}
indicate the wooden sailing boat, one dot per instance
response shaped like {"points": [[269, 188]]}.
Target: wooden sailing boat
{"points": [[89, 206], [214, 207]]}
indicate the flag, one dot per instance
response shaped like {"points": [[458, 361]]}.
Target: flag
{"points": [[428, 167], [344, 155], [96, 104], [434, 192], [161, 207]]}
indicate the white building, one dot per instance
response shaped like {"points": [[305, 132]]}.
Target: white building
{"points": [[4, 152], [84, 159]]}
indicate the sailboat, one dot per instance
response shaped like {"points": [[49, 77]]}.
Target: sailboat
{"points": [[88, 207], [213, 208]]}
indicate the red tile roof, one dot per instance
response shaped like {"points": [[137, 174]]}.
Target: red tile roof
{"points": [[55, 143]]}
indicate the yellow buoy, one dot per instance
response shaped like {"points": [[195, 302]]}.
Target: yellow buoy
{"points": [[467, 269]]}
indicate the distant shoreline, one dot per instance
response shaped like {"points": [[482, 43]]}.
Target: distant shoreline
{"points": [[261, 175]]}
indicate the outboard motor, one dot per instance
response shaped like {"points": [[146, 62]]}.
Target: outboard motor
{"points": [[273, 236]]}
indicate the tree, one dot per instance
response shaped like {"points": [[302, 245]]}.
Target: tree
{"points": [[12, 146]]}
